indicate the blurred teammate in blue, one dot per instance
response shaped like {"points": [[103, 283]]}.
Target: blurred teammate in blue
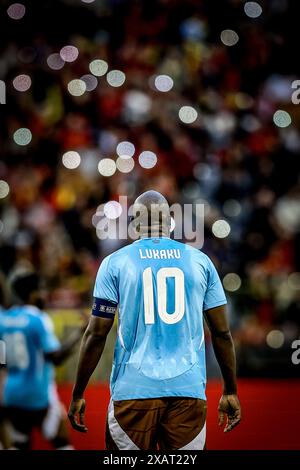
{"points": [[29, 394], [161, 289], [5, 441]]}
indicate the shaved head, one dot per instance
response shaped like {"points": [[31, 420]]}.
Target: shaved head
{"points": [[151, 214]]}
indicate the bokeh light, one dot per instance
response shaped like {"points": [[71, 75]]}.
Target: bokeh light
{"points": [[22, 83], [294, 281], [125, 149], [252, 9], [90, 81], [115, 78], [163, 83], [232, 208], [27, 54], [282, 118], [147, 159], [16, 11], [4, 189], [55, 62], [22, 136], [87, 1], [98, 67], [69, 53], [229, 37], [76, 87], [112, 210], [221, 228], [232, 282], [125, 165], [187, 114], [71, 160], [275, 339], [107, 167]]}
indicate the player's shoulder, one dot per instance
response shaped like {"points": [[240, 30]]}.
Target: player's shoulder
{"points": [[199, 256], [114, 258], [38, 316]]}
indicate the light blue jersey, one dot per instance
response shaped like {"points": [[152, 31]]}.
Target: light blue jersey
{"points": [[162, 288], [28, 336]]}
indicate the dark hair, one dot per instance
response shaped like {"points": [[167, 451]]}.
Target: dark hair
{"points": [[24, 284]]}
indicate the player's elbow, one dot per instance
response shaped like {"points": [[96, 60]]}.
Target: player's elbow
{"points": [[55, 357], [221, 334], [95, 335]]}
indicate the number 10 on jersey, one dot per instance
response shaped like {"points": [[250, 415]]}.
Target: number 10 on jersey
{"points": [[161, 287]]}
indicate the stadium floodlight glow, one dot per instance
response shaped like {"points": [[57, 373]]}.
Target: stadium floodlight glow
{"points": [[232, 208], [4, 189], [55, 62], [282, 118], [147, 159], [252, 9], [98, 67], [125, 149], [71, 160], [187, 114], [22, 136], [125, 165], [16, 11], [229, 37], [275, 339], [221, 228], [22, 82], [69, 53], [163, 83], [232, 282], [115, 78], [90, 81], [112, 210], [76, 87], [107, 167]]}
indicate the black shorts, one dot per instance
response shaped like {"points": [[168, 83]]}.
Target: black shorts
{"points": [[24, 421], [159, 423]]}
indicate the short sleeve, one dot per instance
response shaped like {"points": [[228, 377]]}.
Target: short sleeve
{"points": [[106, 282], [214, 296], [47, 339]]}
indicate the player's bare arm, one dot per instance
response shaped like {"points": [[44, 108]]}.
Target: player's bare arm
{"points": [[66, 349], [229, 404], [92, 346]]}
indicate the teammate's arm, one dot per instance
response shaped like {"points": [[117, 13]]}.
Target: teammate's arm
{"points": [[229, 405], [92, 346], [58, 356]]}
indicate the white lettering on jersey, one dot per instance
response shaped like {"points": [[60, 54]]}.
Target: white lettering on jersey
{"points": [[159, 254]]}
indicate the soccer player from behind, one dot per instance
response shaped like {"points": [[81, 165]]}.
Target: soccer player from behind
{"points": [[29, 395], [161, 289]]}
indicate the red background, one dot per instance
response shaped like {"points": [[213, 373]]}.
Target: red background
{"points": [[271, 416]]}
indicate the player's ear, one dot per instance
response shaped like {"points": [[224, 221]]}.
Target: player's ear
{"points": [[133, 221]]}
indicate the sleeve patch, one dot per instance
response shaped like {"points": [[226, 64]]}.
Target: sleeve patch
{"points": [[104, 308]]}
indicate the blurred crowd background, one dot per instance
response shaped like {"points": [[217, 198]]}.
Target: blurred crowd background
{"points": [[205, 85]]}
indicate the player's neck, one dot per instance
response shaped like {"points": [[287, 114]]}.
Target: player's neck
{"points": [[155, 234]]}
